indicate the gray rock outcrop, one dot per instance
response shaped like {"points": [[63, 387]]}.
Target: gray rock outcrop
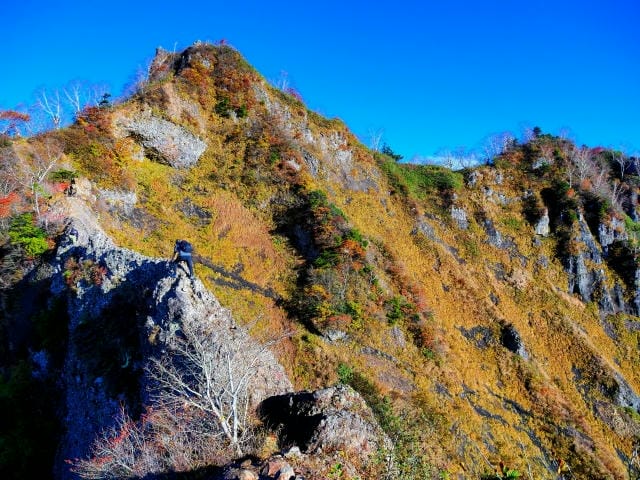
{"points": [[163, 141], [324, 421], [459, 216], [542, 226], [586, 271], [610, 232], [494, 237]]}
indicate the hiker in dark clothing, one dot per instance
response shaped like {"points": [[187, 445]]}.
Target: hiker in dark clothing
{"points": [[71, 190], [182, 253], [72, 235]]}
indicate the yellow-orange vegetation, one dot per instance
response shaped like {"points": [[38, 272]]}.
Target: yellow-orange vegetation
{"points": [[477, 402]]}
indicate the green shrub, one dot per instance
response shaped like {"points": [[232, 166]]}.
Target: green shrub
{"points": [[503, 473], [633, 230], [386, 150], [318, 200], [63, 175], [354, 310], [428, 353], [399, 308], [417, 181], [345, 373], [512, 223], [327, 258], [471, 248], [223, 107], [356, 236], [242, 111], [25, 233], [394, 313]]}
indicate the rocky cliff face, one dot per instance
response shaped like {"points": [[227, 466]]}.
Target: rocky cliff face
{"points": [[125, 309]]}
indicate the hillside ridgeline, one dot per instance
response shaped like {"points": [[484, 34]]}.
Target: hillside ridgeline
{"points": [[460, 324]]}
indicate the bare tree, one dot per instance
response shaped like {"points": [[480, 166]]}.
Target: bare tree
{"points": [[599, 175], [565, 133], [32, 173], [51, 105], [496, 144], [282, 82], [210, 372], [457, 158], [622, 160], [617, 189], [582, 158], [80, 95], [375, 139], [634, 158], [8, 180], [468, 160], [137, 83], [446, 158], [527, 134], [8, 186], [572, 172], [546, 151], [118, 450], [75, 96], [201, 407]]}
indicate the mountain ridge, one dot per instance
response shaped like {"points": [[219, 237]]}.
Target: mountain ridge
{"points": [[474, 339]]}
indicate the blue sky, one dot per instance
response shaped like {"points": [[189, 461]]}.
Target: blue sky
{"points": [[427, 75]]}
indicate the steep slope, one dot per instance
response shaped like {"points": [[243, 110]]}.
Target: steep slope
{"points": [[487, 316]]}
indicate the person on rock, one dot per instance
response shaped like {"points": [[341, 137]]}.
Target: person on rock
{"points": [[71, 190], [182, 253], [72, 235]]}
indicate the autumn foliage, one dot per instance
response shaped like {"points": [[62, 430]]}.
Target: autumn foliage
{"points": [[6, 202], [11, 121]]}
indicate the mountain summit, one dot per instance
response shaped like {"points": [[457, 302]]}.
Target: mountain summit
{"points": [[353, 316]]}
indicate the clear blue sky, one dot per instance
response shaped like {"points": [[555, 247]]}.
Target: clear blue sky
{"points": [[429, 75]]}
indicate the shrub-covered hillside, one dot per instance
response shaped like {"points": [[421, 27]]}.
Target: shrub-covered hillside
{"points": [[488, 316]]}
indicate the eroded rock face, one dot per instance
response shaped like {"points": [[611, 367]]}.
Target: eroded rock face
{"points": [[587, 275], [459, 215], [163, 141], [332, 419], [610, 232], [542, 226], [494, 237]]}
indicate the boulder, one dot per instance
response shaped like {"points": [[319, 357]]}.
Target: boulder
{"points": [[325, 421]]}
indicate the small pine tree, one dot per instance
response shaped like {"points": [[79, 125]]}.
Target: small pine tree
{"points": [[386, 149]]}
